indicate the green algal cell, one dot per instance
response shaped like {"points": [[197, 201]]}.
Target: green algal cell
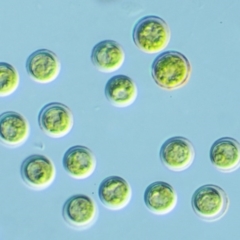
{"points": [[79, 161], [56, 120], [81, 210], [208, 201], [14, 128], [177, 153], [115, 192], [43, 65], [225, 154], [151, 34], [160, 197], [8, 79], [39, 170], [171, 70], [107, 56], [121, 91]]}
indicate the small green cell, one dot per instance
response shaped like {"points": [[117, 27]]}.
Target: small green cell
{"points": [[115, 191], [108, 55], [177, 153], [39, 171], [152, 35], [225, 154], [121, 90], [160, 197], [208, 201], [56, 120], [13, 128], [79, 161], [8, 79], [81, 209], [43, 65], [170, 70]]}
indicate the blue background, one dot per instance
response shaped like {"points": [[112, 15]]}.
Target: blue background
{"points": [[127, 141]]}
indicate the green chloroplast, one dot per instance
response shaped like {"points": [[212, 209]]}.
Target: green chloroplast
{"points": [[171, 70], [160, 198], [151, 34]]}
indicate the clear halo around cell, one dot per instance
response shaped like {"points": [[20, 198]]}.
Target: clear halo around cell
{"points": [[80, 212], [107, 56], [171, 70], [43, 66], [225, 154], [177, 154], [115, 193], [151, 34], [121, 91], [38, 172], [210, 203], [14, 129], [79, 162], [55, 119], [160, 198]]}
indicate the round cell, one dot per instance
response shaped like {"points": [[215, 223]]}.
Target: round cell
{"points": [[14, 129], [9, 79], [225, 154], [107, 56], [43, 66], [79, 161], [151, 34], [56, 120], [80, 211], [210, 202], [177, 153], [171, 70], [121, 91], [38, 171], [115, 193], [160, 198]]}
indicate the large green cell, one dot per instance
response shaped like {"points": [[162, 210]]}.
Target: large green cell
{"points": [[8, 79], [177, 153], [225, 154], [115, 192], [151, 34], [38, 171], [171, 70], [210, 202], [160, 198], [14, 128], [43, 66], [79, 162], [80, 210], [56, 120], [121, 91], [107, 56]]}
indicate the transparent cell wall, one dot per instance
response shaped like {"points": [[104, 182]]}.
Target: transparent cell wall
{"points": [[80, 157]]}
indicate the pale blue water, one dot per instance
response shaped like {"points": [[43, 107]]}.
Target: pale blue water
{"points": [[125, 141]]}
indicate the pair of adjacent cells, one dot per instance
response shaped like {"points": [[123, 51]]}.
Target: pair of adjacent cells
{"points": [[209, 202], [80, 210], [55, 119], [120, 90], [177, 154], [42, 65], [39, 172], [171, 69], [151, 34]]}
